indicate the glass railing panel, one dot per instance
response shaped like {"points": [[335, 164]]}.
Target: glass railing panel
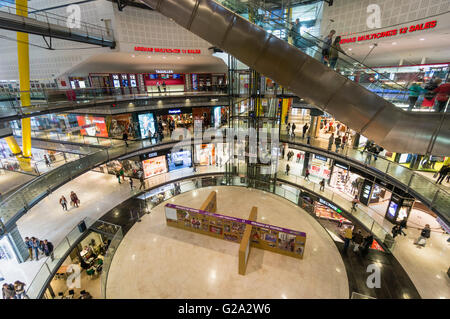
{"points": [[423, 186], [38, 282], [59, 253]]}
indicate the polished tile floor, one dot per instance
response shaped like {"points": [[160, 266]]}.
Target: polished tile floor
{"points": [[156, 261]]}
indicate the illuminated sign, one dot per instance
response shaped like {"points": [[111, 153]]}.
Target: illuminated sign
{"points": [[333, 207], [165, 50], [319, 157], [164, 71], [175, 111], [391, 33]]}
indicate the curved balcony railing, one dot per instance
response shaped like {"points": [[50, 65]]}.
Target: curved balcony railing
{"points": [[435, 196]]}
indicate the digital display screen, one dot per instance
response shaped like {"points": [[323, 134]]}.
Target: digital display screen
{"points": [[116, 83], [153, 76], [179, 160], [154, 166], [392, 209], [92, 126], [177, 76], [146, 124]]}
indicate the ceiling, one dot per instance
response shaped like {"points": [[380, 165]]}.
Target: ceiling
{"points": [[433, 44], [123, 62]]}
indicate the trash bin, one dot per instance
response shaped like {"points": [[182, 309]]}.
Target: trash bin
{"points": [[82, 226]]}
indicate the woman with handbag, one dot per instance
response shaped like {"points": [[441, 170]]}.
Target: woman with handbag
{"points": [[424, 235], [74, 199]]}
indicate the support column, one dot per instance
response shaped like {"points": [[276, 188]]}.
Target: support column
{"points": [[18, 245], [23, 59]]}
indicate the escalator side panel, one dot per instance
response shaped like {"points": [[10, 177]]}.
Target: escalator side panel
{"points": [[280, 61], [442, 144], [178, 10], [209, 11], [316, 83], [346, 105], [245, 41]]}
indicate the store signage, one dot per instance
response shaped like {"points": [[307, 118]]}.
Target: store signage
{"points": [[164, 71], [333, 207], [319, 157], [391, 33], [166, 50], [341, 166], [443, 224], [149, 155], [175, 111]]}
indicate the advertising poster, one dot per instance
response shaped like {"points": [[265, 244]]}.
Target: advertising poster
{"points": [[146, 124], [205, 154], [179, 160], [92, 125], [120, 124], [217, 116], [154, 166]]}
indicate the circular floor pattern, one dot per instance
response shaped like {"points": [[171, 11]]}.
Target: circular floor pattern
{"points": [[157, 261]]}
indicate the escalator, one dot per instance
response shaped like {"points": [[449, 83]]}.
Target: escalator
{"points": [[357, 106]]}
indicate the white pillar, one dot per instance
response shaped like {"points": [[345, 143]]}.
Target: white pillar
{"points": [[423, 60]]}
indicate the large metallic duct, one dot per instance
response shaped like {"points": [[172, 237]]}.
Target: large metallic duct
{"points": [[350, 103]]}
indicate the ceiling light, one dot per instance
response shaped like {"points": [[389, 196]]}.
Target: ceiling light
{"points": [[132, 55], [350, 49], [394, 43], [164, 57], [421, 39]]}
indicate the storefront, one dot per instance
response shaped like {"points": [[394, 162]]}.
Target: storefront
{"points": [[219, 116], [205, 154], [92, 125], [153, 164], [329, 211], [155, 82], [202, 115], [181, 117], [344, 180], [206, 82], [119, 124], [131, 167], [179, 160], [381, 195], [319, 167]]}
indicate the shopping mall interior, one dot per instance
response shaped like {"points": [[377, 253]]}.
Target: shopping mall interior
{"points": [[227, 149]]}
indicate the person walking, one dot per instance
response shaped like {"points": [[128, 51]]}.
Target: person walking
{"points": [[330, 141], [369, 155], [337, 142], [29, 245], [403, 225], [442, 173], [348, 235], [19, 290], [367, 244], [125, 138], [164, 86], [322, 185], [122, 174], [307, 174], [357, 240], [326, 47], [293, 130], [63, 202], [142, 182], [288, 168], [443, 92], [158, 86], [283, 151], [288, 129], [36, 248], [354, 203], [118, 177], [424, 235], [298, 157], [304, 129], [48, 249], [334, 52], [414, 92], [47, 161], [295, 33], [366, 146], [74, 199], [8, 291], [131, 183]]}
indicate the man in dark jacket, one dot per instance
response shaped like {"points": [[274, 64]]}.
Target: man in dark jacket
{"points": [[48, 249], [305, 128], [125, 138], [442, 173], [424, 235], [8, 291]]}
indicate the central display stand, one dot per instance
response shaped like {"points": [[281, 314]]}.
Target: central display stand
{"points": [[248, 232]]}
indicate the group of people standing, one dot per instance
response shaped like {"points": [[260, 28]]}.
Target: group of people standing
{"points": [[16, 291], [43, 246], [359, 241], [74, 200], [442, 173], [435, 94]]}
